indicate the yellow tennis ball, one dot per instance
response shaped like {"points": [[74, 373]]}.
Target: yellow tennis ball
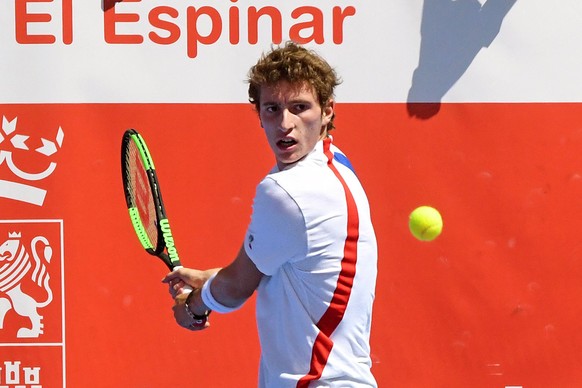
{"points": [[425, 223]]}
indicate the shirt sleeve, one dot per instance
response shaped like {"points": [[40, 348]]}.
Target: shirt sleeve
{"points": [[277, 232]]}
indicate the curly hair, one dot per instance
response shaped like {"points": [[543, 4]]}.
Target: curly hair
{"points": [[294, 64]]}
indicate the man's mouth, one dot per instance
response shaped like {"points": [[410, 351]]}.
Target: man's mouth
{"points": [[286, 143]]}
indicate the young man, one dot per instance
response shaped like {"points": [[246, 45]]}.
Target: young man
{"points": [[309, 251]]}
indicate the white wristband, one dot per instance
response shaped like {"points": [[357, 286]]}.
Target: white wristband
{"points": [[212, 303]]}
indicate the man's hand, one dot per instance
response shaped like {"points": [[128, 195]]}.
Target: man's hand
{"points": [[181, 315], [178, 278]]}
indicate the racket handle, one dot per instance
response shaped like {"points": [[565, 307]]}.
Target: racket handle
{"points": [[186, 289]]}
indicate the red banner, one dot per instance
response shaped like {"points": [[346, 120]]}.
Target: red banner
{"points": [[490, 303]]}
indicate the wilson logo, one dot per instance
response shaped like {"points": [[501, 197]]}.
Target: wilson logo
{"points": [[169, 239]]}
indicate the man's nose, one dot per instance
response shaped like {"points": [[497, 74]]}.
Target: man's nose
{"points": [[287, 122]]}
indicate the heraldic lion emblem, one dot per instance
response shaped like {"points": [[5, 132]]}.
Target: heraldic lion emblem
{"points": [[15, 266]]}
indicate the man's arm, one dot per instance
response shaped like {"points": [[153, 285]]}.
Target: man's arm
{"points": [[234, 284]]}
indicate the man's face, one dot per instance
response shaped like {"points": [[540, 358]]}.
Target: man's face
{"points": [[293, 120]]}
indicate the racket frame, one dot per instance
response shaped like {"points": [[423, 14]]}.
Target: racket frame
{"points": [[164, 247]]}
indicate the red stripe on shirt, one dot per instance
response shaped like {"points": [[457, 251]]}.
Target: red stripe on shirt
{"points": [[337, 308]]}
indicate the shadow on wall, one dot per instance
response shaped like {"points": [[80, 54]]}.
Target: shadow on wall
{"points": [[452, 34], [106, 5]]}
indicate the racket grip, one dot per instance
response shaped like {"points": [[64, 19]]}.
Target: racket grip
{"points": [[186, 289]]}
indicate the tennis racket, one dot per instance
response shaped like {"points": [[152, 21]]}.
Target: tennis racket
{"points": [[144, 200]]}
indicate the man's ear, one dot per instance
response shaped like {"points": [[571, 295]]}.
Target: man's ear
{"points": [[327, 111]]}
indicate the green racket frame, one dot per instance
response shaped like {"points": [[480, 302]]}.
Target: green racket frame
{"points": [[164, 247]]}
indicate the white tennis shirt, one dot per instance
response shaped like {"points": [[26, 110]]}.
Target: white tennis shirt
{"points": [[312, 236]]}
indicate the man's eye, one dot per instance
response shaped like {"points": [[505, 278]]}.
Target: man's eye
{"points": [[300, 107]]}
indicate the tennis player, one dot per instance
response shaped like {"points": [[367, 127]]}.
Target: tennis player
{"points": [[310, 249]]}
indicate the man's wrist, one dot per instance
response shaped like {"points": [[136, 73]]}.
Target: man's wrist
{"points": [[199, 319], [209, 301]]}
